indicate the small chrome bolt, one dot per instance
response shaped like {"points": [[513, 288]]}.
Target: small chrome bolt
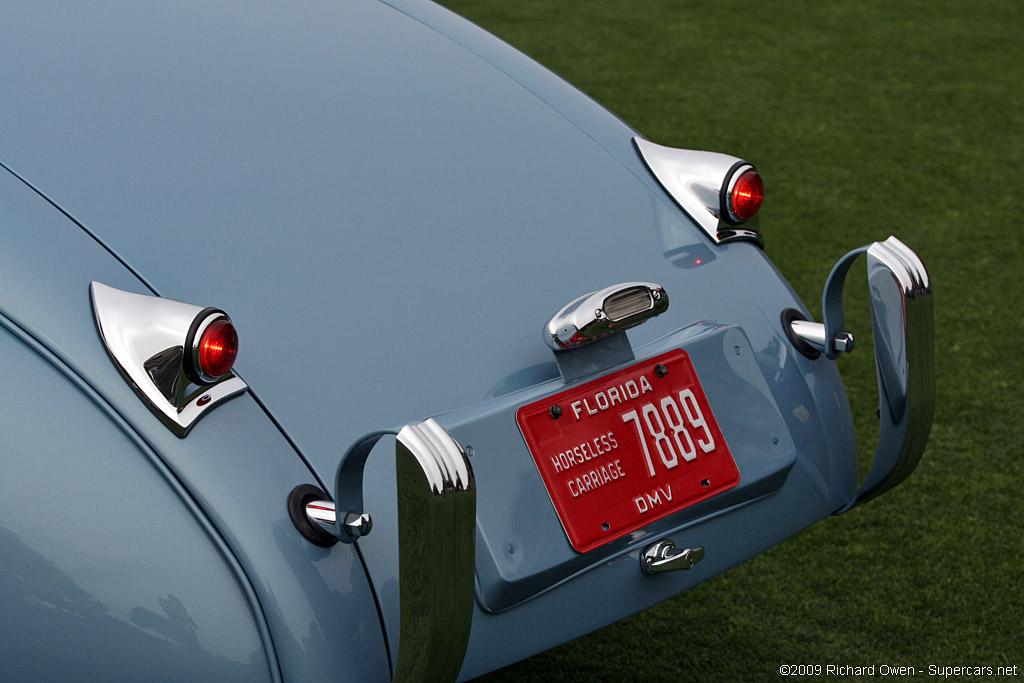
{"points": [[842, 342], [775, 441], [660, 370], [555, 412], [357, 524]]}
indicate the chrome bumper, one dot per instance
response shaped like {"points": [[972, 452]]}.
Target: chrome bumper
{"points": [[436, 541], [901, 315], [436, 552], [437, 492]]}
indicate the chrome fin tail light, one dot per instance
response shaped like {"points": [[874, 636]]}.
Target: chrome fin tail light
{"points": [[176, 356], [721, 193]]}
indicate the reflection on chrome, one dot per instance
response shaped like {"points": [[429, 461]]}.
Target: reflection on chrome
{"points": [[902, 320], [810, 332], [436, 552], [695, 180], [146, 338], [436, 543], [905, 266], [663, 556], [814, 334], [322, 513], [599, 314]]}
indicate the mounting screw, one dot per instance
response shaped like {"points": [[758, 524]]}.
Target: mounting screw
{"points": [[660, 370], [775, 441], [705, 483], [555, 412]]}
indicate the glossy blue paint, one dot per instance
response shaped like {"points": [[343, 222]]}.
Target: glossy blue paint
{"points": [[389, 203], [415, 202], [543, 556], [103, 570], [416, 209], [524, 560], [619, 588], [313, 607]]}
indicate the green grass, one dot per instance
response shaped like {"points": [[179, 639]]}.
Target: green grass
{"points": [[865, 119]]}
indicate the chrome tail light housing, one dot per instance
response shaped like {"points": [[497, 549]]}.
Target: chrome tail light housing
{"points": [[721, 193], [176, 356]]}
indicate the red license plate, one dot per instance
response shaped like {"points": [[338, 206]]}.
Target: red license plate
{"points": [[628, 449]]}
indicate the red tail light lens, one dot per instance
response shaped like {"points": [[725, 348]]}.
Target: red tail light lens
{"points": [[218, 348], [747, 195]]}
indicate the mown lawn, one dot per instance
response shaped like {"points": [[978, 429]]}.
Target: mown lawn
{"points": [[866, 118]]}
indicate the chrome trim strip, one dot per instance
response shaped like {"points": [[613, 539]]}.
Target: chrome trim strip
{"points": [[145, 337], [695, 180], [586, 319]]}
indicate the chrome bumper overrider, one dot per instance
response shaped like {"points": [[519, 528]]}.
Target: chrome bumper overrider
{"points": [[901, 315], [436, 542], [436, 552]]}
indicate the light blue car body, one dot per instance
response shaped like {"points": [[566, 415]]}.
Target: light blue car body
{"points": [[389, 203]]}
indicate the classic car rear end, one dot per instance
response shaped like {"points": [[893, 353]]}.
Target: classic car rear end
{"points": [[522, 362]]}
